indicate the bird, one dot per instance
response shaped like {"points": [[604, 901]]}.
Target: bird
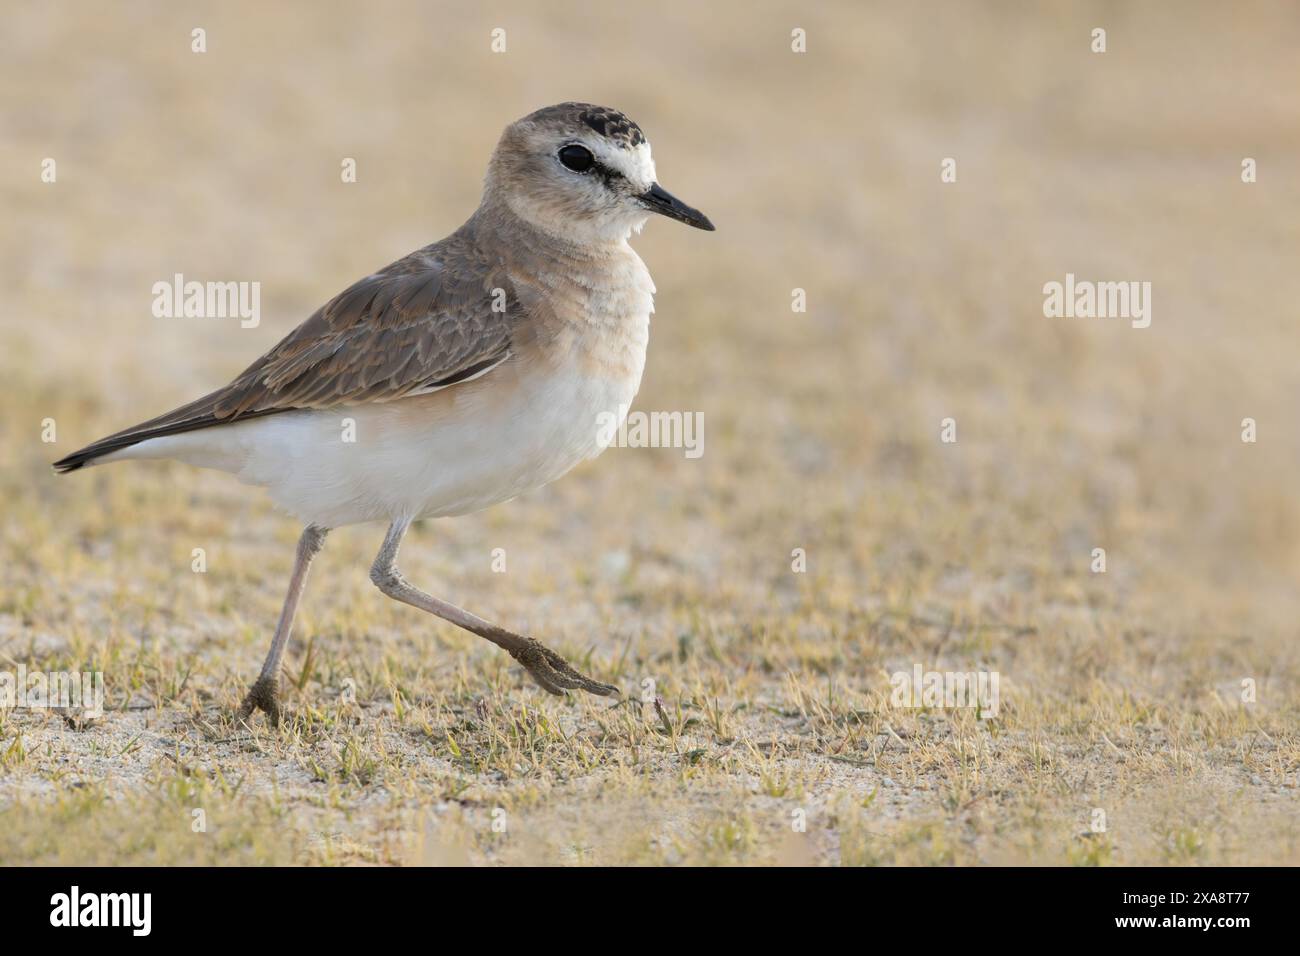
{"points": [[460, 376]]}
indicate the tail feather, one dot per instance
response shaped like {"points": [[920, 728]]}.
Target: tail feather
{"points": [[197, 414]]}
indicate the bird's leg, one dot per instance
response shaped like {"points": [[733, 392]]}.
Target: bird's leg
{"points": [[264, 695], [551, 671]]}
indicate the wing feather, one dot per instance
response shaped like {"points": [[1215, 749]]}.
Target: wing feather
{"points": [[425, 322]]}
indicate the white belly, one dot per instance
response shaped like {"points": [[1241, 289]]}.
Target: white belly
{"points": [[452, 452]]}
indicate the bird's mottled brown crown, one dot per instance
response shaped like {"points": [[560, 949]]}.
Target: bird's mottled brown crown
{"points": [[615, 126]]}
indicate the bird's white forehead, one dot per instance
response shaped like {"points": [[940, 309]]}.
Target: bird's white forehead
{"points": [[635, 163]]}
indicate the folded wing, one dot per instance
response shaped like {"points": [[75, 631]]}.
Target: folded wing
{"points": [[435, 318]]}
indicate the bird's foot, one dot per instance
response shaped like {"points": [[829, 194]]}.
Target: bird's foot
{"points": [[264, 695], [554, 674]]}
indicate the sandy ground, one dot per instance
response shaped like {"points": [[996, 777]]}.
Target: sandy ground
{"points": [[1147, 714]]}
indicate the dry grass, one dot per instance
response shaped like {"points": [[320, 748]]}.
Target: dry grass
{"points": [[1120, 691]]}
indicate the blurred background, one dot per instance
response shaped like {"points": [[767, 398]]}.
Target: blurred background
{"points": [[822, 172]]}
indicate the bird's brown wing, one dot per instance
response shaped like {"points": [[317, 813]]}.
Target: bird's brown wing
{"points": [[426, 321], [386, 336]]}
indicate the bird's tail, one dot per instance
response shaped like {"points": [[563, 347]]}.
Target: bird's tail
{"points": [[98, 449], [197, 414]]}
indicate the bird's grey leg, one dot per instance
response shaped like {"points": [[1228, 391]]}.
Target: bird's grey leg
{"points": [[265, 692], [551, 671]]}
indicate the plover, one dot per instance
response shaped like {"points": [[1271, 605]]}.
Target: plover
{"points": [[467, 372]]}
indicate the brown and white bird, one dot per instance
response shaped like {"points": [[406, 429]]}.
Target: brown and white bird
{"points": [[470, 371]]}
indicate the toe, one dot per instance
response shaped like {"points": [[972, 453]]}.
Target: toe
{"points": [[574, 678], [264, 695], [546, 679], [554, 674]]}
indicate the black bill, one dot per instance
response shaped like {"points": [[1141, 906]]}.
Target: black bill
{"points": [[665, 203]]}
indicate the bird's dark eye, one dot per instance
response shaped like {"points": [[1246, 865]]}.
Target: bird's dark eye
{"points": [[577, 158]]}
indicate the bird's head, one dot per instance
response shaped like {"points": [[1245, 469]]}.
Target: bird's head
{"points": [[582, 172]]}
